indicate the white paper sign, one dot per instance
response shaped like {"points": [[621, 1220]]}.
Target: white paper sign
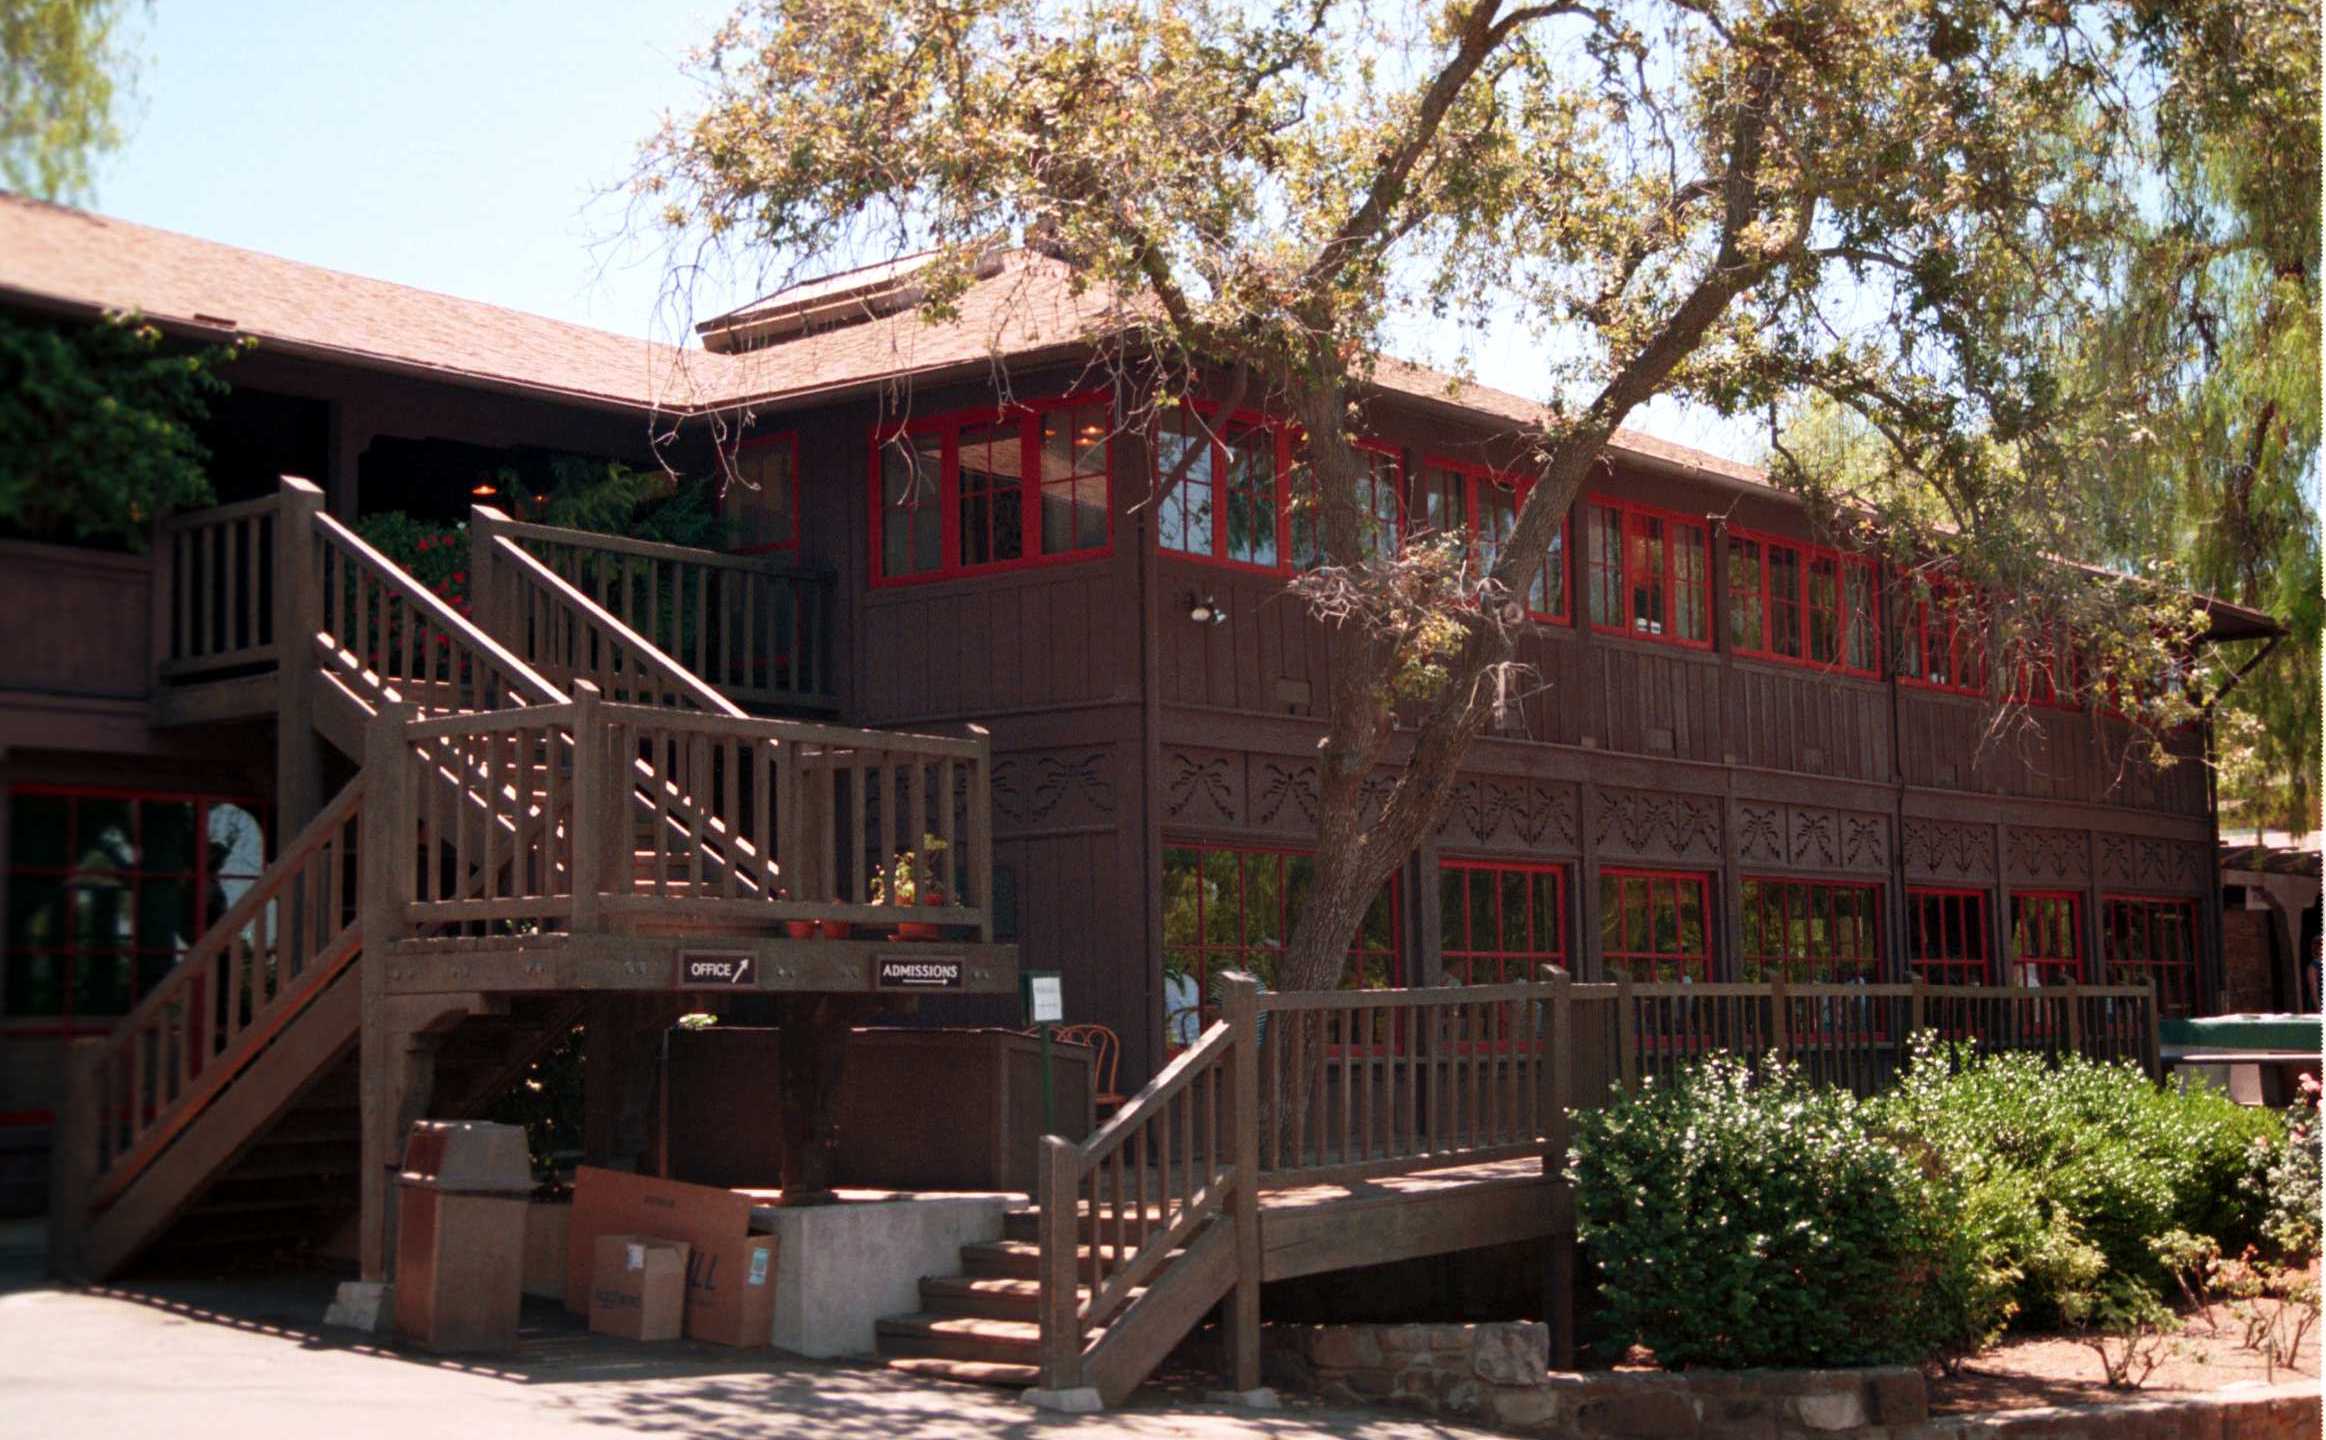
{"points": [[1048, 996]]}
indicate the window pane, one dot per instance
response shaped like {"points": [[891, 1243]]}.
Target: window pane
{"points": [[1644, 561], [1744, 594], [1824, 610], [169, 834], [1550, 588], [912, 519], [1074, 479], [1183, 450], [102, 983], [104, 834], [39, 830], [35, 984], [993, 463], [1440, 504], [37, 912], [1251, 495], [1182, 898], [757, 504], [1689, 579], [1264, 899], [1603, 564], [1857, 604], [1785, 601], [1377, 496]]}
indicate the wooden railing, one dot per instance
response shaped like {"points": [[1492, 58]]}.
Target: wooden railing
{"points": [[1304, 1089], [219, 583], [375, 614], [579, 809], [275, 949], [756, 629]]}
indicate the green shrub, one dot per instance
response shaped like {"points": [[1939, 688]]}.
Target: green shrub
{"points": [[2059, 1162], [2285, 1173], [1740, 1222]]}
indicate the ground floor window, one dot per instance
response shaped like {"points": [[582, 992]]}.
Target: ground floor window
{"points": [[1655, 924], [1229, 908], [108, 889], [1499, 922], [1810, 930], [1946, 936], [2150, 938], [2046, 948]]}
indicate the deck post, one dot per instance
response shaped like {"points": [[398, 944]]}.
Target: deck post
{"points": [[488, 597], [1780, 1016], [592, 788], [2153, 1060], [388, 852], [1241, 1009], [298, 595], [1627, 1040], [980, 831], [76, 1153], [2075, 1000], [1057, 1181], [1559, 1121]]}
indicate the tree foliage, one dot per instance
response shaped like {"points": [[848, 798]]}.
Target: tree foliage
{"points": [[61, 85], [98, 428], [1911, 208]]}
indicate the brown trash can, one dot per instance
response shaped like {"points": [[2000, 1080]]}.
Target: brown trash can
{"points": [[460, 1235]]}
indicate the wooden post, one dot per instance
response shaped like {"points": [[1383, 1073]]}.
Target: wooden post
{"points": [[2153, 1061], [1058, 1178], [2075, 1002], [487, 597], [1241, 1008], [298, 615], [390, 850], [76, 1151], [593, 789], [1559, 1268], [1780, 1016], [1627, 1044], [981, 836]]}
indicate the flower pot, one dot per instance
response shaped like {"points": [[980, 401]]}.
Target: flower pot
{"points": [[915, 930], [802, 929], [832, 929]]}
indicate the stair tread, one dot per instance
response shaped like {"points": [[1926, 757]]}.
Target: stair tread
{"points": [[966, 1372], [983, 1327]]}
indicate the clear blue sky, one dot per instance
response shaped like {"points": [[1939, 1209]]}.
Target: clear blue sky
{"points": [[470, 148]]}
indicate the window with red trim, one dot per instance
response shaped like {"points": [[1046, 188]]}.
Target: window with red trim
{"points": [[1229, 504], [1498, 921], [2043, 669], [108, 889], [2152, 938], [1654, 924], [759, 506], [1647, 573], [1459, 495], [1946, 936], [1379, 504], [2046, 939], [1814, 930], [1798, 602], [1229, 908], [1941, 640], [991, 490]]}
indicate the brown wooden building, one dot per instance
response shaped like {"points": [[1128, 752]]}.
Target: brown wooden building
{"points": [[1741, 755]]}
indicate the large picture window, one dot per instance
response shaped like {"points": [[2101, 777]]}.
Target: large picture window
{"points": [[1226, 908], [1946, 936], [2046, 938], [2148, 938], [1456, 495], [1788, 601], [1941, 640], [108, 889], [1647, 574], [1654, 925], [1380, 509], [1230, 502], [1498, 922], [759, 505], [1816, 931], [991, 490]]}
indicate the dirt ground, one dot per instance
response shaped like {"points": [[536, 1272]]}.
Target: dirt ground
{"points": [[2034, 1370]]}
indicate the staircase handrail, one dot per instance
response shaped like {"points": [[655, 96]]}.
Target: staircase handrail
{"points": [[526, 686], [334, 944]]}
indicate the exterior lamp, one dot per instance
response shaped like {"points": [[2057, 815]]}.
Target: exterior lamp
{"points": [[1205, 610]]}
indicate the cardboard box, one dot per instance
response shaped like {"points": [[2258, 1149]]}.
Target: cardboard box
{"points": [[638, 1287], [730, 1272]]}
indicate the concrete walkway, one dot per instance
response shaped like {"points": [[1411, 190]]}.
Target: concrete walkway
{"points": [[199, 1360]]}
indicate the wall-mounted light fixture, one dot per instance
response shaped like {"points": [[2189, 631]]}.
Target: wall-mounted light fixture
{"points": [[485, 489], [1206, 610]]}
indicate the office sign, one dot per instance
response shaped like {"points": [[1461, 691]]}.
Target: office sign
{"points": [[717, 970], [917, 972]]}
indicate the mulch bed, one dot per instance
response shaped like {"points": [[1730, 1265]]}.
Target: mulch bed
{"points": [[2027, 1371]]}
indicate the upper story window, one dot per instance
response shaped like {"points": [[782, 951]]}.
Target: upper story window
{"points": [[759, 506], [1452, 495], [986, 490], [1229, 502], [1788, 601], [1941, 639], [1646, 573], [1380, 509]]}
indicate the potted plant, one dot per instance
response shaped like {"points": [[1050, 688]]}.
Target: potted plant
{"points": [[799, 929], [911, 879]]}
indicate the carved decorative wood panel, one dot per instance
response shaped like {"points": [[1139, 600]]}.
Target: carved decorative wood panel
{"points": [[1811, 837], [1037, 790], [1949, 851], [1511, 814], [2046, 856], [1650, 825], [2148, 863]]}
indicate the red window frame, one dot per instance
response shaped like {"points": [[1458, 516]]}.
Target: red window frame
{"points": [[68, 1018], [1518, 900], [1473, 479], [1944, 613], [1258, 947], [1217, 484], [1801, 606], [2056, 684], [2153, 937], [1028, 416], [1633, 524], [1947, 937], [2053, 921], [1385, 522], [789, 442], [1647, 961], [1826, 932]]}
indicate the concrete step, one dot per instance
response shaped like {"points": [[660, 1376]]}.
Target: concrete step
{"points": [[967, 1372]]}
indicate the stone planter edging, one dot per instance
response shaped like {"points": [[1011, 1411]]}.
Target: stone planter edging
{"points": [[1500, 1374]]}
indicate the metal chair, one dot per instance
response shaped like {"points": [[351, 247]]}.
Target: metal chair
{"points": [[1106, 1053]]}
